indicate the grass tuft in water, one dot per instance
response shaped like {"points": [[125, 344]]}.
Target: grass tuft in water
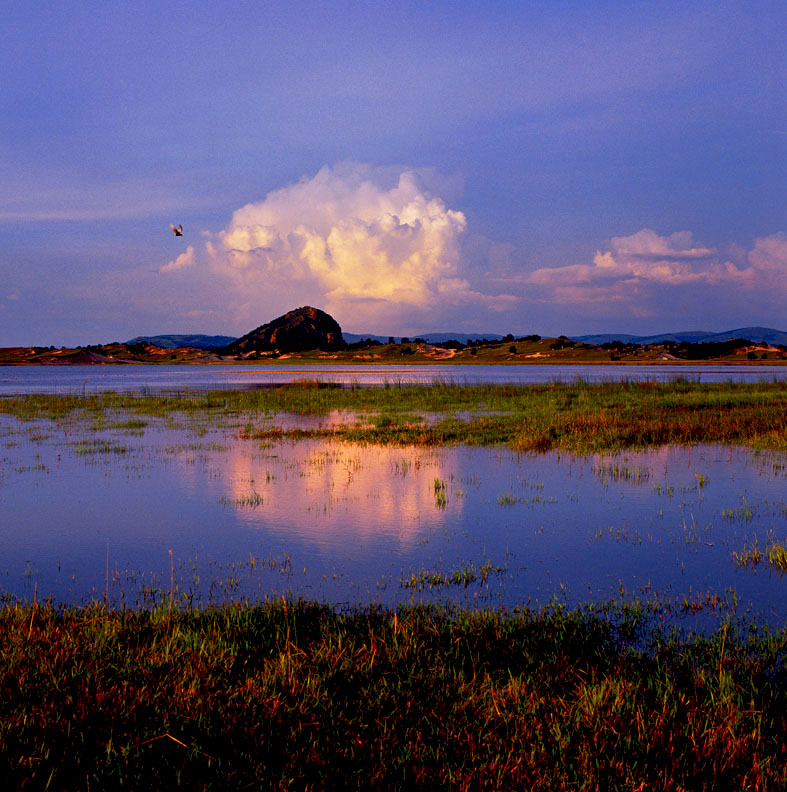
{"points": [[462, 576], [440, 498], [250, 501], [775, 556]]}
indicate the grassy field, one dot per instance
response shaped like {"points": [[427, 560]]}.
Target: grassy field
{"points": [[578, 417], [293, 695]]}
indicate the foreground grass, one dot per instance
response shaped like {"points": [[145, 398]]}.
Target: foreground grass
{"points": [[295, 695], [575, 417]]}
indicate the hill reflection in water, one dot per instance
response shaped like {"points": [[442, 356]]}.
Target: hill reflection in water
{"points": [[329, 494]]}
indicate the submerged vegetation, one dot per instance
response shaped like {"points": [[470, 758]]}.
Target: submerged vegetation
{"points": [[576, 417], [292, 694]]}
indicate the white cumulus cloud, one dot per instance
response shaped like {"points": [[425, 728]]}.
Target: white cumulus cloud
{"points": [[370, 244], [635, 272], [768, 260], [644, 256], [183, 261], [669, 260]]}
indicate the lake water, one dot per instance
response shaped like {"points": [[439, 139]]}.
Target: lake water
{"points": [[145, 378], [88, 512]]}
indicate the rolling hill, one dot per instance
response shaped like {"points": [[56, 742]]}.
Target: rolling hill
{"points": [[760, 335]]}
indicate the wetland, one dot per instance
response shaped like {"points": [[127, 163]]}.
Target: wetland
{"points": [[474, 495], [565, 562]]}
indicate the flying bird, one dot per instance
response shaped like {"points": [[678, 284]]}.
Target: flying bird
{"points": [[177, 231]]}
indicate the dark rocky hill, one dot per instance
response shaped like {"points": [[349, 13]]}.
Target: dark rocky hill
{"points": [[299, 330]]}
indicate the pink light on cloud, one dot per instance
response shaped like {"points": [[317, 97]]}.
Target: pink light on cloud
{"points": [[674, 260], [183, 261]]}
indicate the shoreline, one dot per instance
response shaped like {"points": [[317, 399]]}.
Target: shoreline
{"points": [[328, 362]]}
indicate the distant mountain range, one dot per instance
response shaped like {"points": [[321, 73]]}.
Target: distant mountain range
{"points": [[208, 342], [761, 335], [174, 341], [432, 338]]}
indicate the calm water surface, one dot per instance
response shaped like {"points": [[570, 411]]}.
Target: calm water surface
{"points": [[88, 512], [144, 378]]}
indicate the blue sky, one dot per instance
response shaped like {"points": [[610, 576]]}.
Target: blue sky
{"points": [[562, 167]]}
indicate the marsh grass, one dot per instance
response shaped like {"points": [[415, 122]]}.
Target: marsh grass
{"points": [[440, 497], [250, 501], [463, 577], [774, 557], [622, 472], [741, 514], [91, 447], [293, 694], [576, 417], [131, 423], [777, 556], [751, 557]]}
